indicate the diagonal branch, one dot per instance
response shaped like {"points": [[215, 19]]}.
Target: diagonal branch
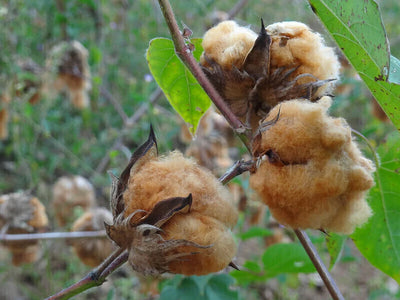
{"points": [[95, 277]]}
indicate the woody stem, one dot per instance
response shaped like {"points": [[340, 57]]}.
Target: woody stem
{"points": [[184, 53], [94, 278]]}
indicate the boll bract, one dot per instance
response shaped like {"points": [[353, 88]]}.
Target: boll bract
{"points": [[312, 174], [172, 215]]}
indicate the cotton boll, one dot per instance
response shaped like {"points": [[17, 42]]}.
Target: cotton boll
{"points": [[294, 44], [171, 214], [70, 192], [22, 213], [312, 175], [95, 250]]}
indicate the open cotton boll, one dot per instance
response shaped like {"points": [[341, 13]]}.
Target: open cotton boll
{"points": [[172, 215], [295, 44], [313, 175], [254, 73]]}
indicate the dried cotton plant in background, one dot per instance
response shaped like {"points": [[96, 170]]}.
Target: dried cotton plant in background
{"points": [[22, 213], [70, 192], [92, 251], [67, 70]]}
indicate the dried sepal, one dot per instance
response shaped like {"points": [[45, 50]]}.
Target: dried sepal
{"points": [[140, 233], [144, 153]]}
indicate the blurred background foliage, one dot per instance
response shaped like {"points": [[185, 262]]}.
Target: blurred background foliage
{"points": [[51, 138]]}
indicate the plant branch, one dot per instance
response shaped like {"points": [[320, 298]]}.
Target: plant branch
{"points": [[185, 54], [53, 235], [319, 265], [237, 8], [128, 123], [95, 277]]}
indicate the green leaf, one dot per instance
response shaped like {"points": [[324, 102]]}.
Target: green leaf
{"points": [[255, 232], [243, 277], [252, 266], [208, 287], [286, 258], [218, 288], [394, 72], [379, 239], [182, 90], [335, 243], [358, 29], [187, 289]]}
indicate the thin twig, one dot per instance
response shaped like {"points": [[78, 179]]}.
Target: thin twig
{"points": [[128, 123], [106, 94], [53, 235], [184, 53], [319, 265], [237, 8]]}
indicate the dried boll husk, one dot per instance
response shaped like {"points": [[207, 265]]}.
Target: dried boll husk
{"points": [[22, 213], [70, 192], [93, 251], [68, 70], [29, 84], [254, 73], [312, 174], [172, 215]]}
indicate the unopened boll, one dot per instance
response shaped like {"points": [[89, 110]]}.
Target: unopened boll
{"points": [[312, 174]]}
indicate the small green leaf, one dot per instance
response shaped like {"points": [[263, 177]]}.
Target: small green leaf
{"points": [[335, 243], [358, 29], [182, 90], [187, 289], [286, 258], [255, 232], [394, 72], [243, 277], [252, 266], [379, 239], [218, 288]]}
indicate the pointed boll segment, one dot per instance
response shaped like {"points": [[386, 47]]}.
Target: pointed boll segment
{"points": [[257, 60]]}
